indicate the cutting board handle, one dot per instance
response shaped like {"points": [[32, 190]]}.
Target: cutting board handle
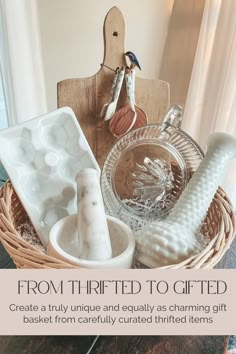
{"points": [[114, 39]]}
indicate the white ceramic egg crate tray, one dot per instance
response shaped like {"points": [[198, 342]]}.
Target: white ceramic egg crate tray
{"points": [[42, 157]]}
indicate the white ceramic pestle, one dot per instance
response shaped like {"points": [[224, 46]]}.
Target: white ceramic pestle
{"points": [[173, 240], [94, 239]]}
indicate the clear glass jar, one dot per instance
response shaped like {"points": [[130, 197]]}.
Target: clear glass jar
{"points": [[147, 169]]}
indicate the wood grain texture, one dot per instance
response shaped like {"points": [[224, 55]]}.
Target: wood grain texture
{"points": [[229, 259], [161, 345], [4, 257], [113, 345], [86, 96], [45, 345], [180, 47]]}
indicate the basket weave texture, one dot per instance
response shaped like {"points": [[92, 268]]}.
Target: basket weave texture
{"points": [[219, 227]]}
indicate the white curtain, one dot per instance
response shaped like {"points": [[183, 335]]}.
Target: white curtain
{"points": [[20, 60], [211, 101]]}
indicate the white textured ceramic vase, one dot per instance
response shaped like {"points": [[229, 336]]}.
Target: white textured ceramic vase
{"points": [[173, 240]]}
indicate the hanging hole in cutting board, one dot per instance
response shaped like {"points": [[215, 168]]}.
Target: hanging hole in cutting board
{"points": [[115, 34]]}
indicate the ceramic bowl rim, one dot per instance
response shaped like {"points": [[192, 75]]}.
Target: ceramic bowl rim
{"points": [[126, 253]]}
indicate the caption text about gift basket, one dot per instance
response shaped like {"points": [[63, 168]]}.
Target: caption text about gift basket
{"points": [[118, 302]]}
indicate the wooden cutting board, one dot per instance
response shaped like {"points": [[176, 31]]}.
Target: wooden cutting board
{"points": [[86, 96]]}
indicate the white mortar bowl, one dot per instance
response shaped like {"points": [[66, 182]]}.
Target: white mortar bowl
{"points": [[63, 244]]}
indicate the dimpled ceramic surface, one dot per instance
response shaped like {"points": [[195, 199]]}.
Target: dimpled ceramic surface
{"points": [[42, 157], [174, 240]]}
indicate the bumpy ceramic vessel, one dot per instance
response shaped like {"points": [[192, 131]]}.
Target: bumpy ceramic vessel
{"points": [[174, 239]]}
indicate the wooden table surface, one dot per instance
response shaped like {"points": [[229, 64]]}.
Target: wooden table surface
{"points": [[114, 344]]}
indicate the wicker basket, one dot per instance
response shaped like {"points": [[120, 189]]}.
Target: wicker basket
{"points": [[219, 227]]}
